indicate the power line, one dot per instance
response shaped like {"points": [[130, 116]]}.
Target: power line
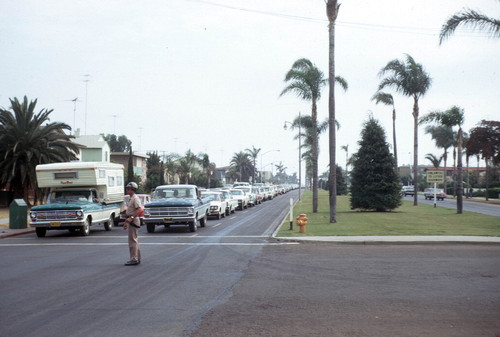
{"points": [[356, 25]]}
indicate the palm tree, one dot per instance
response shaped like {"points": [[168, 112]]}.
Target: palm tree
{"points": [[208, 167], [25, 142], [186, 165], [254, 152], [242, 164], [280, 172], [468, 17], [436, 161], [453, 117], [387, 99], [306, 81], [170, 166], [332, 11], [410, 79]]}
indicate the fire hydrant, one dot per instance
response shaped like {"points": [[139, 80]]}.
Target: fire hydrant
{"points": [[301, 221]]}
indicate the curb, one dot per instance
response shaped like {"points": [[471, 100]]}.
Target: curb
{"points": [[7, 235]]}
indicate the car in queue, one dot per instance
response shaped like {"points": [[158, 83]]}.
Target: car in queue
{"points": [[232, 202], [251, 196], [258, 195], [429, 193], [176, 205], [218, 204], [241, 196], [267, 194]]}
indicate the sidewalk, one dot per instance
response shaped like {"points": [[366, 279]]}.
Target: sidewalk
{"points": [[395, 239], [5, 231]]}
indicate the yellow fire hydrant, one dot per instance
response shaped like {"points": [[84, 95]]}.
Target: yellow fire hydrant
{"points": [[301, 221]]}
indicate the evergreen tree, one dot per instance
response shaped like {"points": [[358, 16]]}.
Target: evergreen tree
{"points": [[155, 173], [374, 182], [130, 168]]}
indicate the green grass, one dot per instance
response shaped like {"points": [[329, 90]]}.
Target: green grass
{"points": [[405, 220]]}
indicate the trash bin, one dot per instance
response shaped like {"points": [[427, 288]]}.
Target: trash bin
{"points": [[18, 214]]}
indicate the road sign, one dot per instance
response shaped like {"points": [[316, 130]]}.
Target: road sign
{"points": [[435, 176]]}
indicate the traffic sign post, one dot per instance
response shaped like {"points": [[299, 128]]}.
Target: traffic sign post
{"points": [[435, 177]]}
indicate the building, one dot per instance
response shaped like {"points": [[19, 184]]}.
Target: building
{"points": [[95, 148], [139, 162]]}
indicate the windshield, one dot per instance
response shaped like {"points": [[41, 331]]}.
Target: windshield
{"points": [[165, 193], [237, 192], [211, 196], [70, 196]]}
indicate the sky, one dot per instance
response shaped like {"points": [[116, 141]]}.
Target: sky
{"points": [[206, 76]]}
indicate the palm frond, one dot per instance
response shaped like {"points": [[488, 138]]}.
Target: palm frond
{"points": [[471, 18]]}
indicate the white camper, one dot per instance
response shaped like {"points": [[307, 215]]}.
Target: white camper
{"points": [[81, 194]]}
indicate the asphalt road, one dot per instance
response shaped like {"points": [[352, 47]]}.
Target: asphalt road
{"points": [[470, 206], [68, 285], [318, 289], [230, 279]]}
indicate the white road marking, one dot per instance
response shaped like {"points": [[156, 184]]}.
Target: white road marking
{"points": [[149, 243]]}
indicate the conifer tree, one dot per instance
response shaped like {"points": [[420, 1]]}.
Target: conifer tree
{"points": [[374, 181]]}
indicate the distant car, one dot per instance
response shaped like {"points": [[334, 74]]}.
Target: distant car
{"points": [[241, 196], [252, 199], [258, 195], [429, 193], [407, 190], [218, 203], [232, 202], [144, 198]]}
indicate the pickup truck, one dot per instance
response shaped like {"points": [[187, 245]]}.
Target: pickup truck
{"points": [[176, 205], [81, 195]]}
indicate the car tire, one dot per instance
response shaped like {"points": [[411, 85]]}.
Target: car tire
{"points": [[203, 221], [108, 225], [193, 226], [41, 231], [151, 227], [85, 229]]}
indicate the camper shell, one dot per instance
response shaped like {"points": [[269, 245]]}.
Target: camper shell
{"points": [[81, 194]]}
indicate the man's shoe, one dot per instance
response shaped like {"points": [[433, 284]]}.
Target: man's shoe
{"points": [[132, 263]]}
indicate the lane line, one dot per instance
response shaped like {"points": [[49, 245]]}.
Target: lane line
{"points": [[151, 244]]}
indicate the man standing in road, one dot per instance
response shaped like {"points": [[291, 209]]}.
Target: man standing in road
{"points": [[133, 223]]}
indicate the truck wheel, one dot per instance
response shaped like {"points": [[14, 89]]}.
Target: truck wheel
{"points": [[228, 211], [203, 221], [41, 231], [85, 229], [193, 226], [108, 225], [151, 227]]}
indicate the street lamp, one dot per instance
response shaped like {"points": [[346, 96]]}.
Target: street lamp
{"points": [[261, 161], [300, 154]]}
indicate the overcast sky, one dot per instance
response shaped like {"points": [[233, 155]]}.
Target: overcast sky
{"points": [[174, 75]]}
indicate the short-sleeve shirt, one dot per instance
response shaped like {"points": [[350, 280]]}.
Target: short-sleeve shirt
{"points": [[133, 204]]}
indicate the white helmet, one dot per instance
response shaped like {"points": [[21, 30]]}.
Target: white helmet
{"points": [[133, 186]]}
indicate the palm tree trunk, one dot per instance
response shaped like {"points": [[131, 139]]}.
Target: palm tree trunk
{"points": [[445, 157], [459, 174], [332, 10], [394, 138], [415, 151], [314, 159]]}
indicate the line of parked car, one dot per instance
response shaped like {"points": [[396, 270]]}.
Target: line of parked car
{"points": [[190, 206]]}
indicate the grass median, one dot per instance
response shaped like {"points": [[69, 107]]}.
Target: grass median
{"points": [[406, 220]]}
